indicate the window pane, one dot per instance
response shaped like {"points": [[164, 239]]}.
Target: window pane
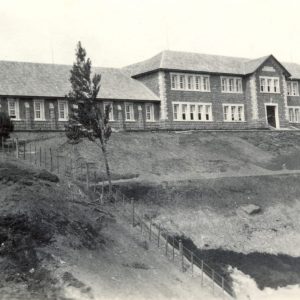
{"points": [[175, 110], [225, 113], [184, 109]]}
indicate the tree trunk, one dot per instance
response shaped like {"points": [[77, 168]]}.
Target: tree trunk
{"points": [[107, 169]]}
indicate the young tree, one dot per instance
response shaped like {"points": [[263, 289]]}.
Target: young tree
{"points": [[86, 120], [6, 125]]}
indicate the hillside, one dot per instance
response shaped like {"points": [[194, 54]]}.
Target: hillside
{"points": [[56, 243], [154, 156], [197, 183]]}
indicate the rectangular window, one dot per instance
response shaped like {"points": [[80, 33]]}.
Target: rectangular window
{"points": [[13, 109], [63, 112], [39, 110], [292, 88], [262, 84], [191, 111], [182, 82], [174, 81], [294, 114], [200, 112], [207, 112], [297, 116], [111, 111], [149, 112], [189, 82], [269, 85], [175, 111], [198, 83], [225, 111], [129, 112], [206, 86], [276, 85], [183, 111], [233, 113], [231, 84]]}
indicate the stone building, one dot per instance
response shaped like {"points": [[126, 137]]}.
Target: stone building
{"points": [[172, 90]]}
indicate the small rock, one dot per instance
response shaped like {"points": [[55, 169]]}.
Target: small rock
{"points": [[251, 209]]}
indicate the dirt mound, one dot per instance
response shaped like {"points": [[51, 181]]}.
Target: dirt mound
{"points": [[38, 213]]}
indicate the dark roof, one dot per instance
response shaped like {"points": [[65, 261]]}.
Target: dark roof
{"points": [[188, 61], [52, 80]]}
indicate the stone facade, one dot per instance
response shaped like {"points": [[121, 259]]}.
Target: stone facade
{"points": [[255, 102]]}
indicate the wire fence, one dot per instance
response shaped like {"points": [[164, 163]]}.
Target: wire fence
{"points": [[77, 169], [184, 258]]}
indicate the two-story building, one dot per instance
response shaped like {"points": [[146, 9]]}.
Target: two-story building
{"points": [[172, 90]]}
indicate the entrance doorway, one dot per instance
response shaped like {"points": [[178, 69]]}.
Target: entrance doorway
{"points": [[271, 111]]}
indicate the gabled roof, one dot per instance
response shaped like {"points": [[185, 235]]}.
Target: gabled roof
{"points": [[52, 80], [294, 69], [188, 61]]}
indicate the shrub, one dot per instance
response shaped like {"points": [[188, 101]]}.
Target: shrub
{"points": [[6, 125]]}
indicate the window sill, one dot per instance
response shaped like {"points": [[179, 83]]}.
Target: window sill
{"points": [[227, 121], [129, 120], [223, 92], [63, 120], [193, 121], [184, 90], [278, 93], [150, 121], [12, 119], [41, 120], [293, 95]]}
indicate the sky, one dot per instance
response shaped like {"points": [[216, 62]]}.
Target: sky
{"points": [[116, 33]]}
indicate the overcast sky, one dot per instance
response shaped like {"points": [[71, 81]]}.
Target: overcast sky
{"points": [[119, 32]]}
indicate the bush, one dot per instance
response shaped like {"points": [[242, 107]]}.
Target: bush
{"points": [[6, 125]]}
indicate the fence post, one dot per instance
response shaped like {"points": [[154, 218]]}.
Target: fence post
{"points": [[24, 154], [213, 281], [57, 161], [45, 158], [2, 143], [192, 263], [87, 176], [202, 265], [158, 236], [173, 250], [35, 154], [40, 156], [181, 254], [150, 230], [17, 148], [51, 160], [132, 206], [71, 168], [167, 240], [95, 179], [30, 152]]}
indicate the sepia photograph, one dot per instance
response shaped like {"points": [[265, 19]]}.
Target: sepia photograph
{"points": [[149, 150]]}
